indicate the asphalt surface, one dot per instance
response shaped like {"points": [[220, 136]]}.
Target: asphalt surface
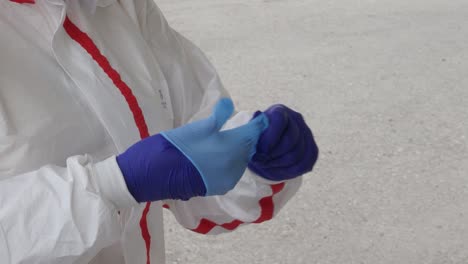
{"points": [[384, 86]]}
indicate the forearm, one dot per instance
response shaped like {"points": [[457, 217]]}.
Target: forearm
{"points": [[67, 209]]}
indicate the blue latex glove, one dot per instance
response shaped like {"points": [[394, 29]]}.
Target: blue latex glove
{"points": [[221, 157], [287, 149], [193, 160]]}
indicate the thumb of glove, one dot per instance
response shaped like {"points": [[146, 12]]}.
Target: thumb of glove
{"points": [[205, 127], [222, 112]]}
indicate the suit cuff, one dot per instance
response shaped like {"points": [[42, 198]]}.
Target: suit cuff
{"points": [[111, 183]]}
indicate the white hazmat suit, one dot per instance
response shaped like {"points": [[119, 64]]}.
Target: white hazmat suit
{"points": [[79, 86]]}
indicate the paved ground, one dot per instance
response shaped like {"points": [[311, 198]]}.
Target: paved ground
{"points": [[384, 85]]}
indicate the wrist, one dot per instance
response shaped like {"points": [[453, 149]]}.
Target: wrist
{"points": [[111, 183]]}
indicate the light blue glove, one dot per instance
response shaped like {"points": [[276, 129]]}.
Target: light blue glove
{"points": [[221, 157]]}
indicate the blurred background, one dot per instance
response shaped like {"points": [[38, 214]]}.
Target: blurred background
{"points": [[384, 86]]}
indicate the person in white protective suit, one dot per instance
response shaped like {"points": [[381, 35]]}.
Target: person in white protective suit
{"points": [[98, 103]]}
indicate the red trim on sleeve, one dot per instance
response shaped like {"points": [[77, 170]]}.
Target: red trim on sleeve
{"points": [[267, 208], [24, 1], [87, 43]]}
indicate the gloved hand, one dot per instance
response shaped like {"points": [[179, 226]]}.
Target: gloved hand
{"points": [[287, 148], [193, 160]]}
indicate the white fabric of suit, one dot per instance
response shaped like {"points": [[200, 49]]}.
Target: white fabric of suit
{"points": [[63, 119]]}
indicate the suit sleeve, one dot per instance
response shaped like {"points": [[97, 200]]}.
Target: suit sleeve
{"points": [[195, 87], [61, 214]]}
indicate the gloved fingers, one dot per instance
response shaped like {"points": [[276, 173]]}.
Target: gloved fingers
{"points": [[253, 129], [278, 123], [287, 173], [302, 166], [222, 111], [288, 159], [309, 159], [249, 133], [289, 140]]}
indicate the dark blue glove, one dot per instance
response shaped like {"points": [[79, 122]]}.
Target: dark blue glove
{"points": [[196, 159], [156, 170], [287, 148]]}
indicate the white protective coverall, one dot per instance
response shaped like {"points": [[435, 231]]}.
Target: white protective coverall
{"points": [[78, 87]]}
